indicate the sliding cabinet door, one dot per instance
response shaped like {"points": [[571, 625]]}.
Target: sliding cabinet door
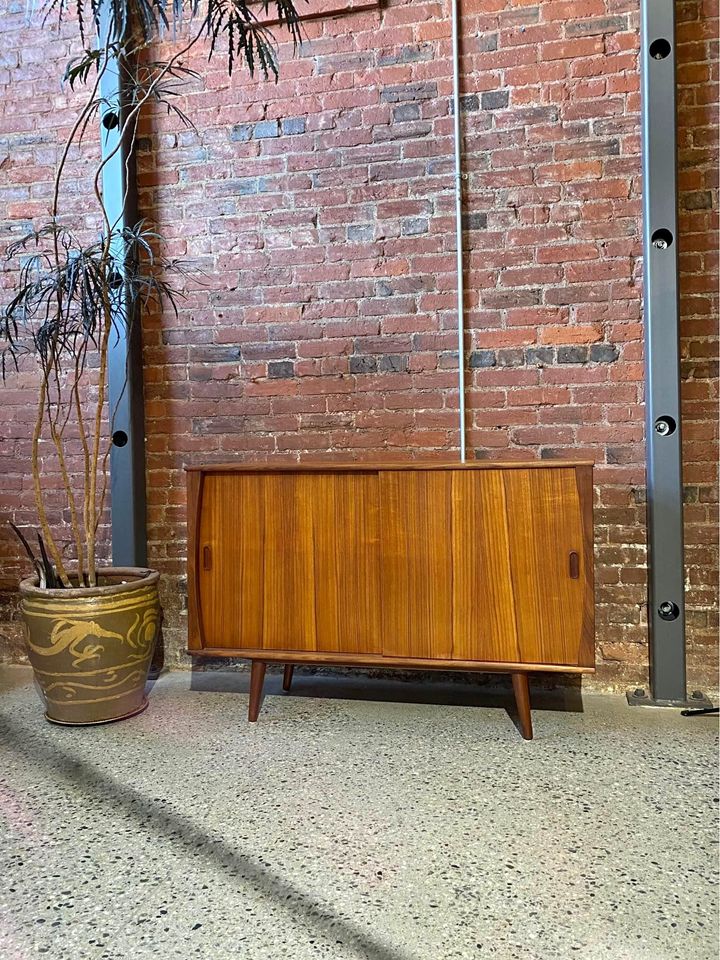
{"points": [[484, 602], [289, 561], [523, 579], [489, 565], [229, 562], [417, 563], [551, 556]]}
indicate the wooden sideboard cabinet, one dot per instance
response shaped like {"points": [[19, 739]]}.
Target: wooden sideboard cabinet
{"points": [[479, 566]]}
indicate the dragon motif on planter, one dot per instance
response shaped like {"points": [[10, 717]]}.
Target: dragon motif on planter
{"points": [[70, 635]]}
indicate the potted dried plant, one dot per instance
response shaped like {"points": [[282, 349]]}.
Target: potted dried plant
{"points": [[91, 628]]}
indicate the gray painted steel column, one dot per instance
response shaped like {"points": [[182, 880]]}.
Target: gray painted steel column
{"points": [[662, 354], [127, 457]]}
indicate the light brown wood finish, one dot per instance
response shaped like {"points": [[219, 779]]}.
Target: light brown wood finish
{"points": [[285, 561], [545, 528], [399, 663], [584, 478], [257, 678], [195, 514], [230, 561], [428, 565], [484, 599], [521, 690], [288, 558], [416, 564], [346, 556]]}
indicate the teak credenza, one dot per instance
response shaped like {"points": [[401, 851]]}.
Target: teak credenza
{"points": [[479, 566]]}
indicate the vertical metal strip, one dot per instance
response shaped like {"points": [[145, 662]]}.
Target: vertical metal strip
{"points": [[459, 260], [662, 354], [125, 377]]}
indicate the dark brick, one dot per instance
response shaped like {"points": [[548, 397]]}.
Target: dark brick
{"points": [[584, 151], [266, 129], [604, 353], [203, 426], [293, 125], [414, 226], [410, 54], [214, 353], [406, 112], [399, 93], [697, 200], [620, 455], [509, 299], [510, 358], [495, 99], [539, 355], [474, 221], [356, 62], [586, 28], [383, 133], [244, 188], [241, 131], [469, 103], [360, 232], [393, 363], [690, 494], [363, 365], [482, 358], [572, 354], [278, 369]]}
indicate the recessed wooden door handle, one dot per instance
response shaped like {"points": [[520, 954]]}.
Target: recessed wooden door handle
{"points": [[574, 565], [207, 557]]}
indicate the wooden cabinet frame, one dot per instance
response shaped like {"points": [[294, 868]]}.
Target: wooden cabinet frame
{"points": [[482, 566]]}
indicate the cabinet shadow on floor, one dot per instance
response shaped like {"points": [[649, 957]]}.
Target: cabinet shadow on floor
{"points": [[484, 690]]}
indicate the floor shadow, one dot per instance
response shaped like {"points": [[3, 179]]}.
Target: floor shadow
{"points": [[157, 664], [495, 690], [154, 816]]}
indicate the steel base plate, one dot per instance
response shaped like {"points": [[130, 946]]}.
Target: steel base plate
{"points": [[640, 698]]}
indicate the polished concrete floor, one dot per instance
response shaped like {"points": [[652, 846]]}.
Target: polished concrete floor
{"points": [[356, 821]]}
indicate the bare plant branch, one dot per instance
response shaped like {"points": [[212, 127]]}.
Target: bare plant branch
{"points": [[71, 294]]}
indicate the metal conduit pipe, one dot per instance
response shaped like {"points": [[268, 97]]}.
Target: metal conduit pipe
{"points": [[458, 226]]}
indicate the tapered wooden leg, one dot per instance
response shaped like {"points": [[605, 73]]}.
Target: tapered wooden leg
{"points": [[522, 702], [257, 678], [288, 676]]}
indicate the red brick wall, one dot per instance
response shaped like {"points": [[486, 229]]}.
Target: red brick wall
{"points": [[320, 210]]}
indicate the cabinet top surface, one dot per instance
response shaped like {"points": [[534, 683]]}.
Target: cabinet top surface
{"points": [[360, 466]]}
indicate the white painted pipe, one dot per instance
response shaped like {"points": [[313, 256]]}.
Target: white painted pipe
{"points": [[458, 226]]}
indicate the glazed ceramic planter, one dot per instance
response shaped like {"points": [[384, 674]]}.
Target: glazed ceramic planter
{"points": [[91, 648]]}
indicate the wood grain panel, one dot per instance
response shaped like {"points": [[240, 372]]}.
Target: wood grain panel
{"points": [[484, 615], [229, 560], [195, 482], [584, 480], [424, 562], [346, 561], [416, 564], [545, 524], [289, 561]]}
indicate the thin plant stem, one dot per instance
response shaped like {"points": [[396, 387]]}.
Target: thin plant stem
{"points": [[39, 501]]}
